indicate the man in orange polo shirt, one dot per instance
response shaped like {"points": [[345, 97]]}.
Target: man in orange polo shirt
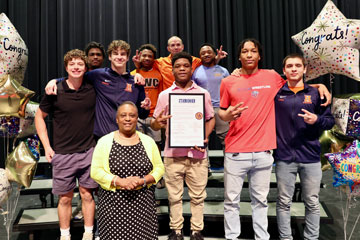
{"points": [[175, 45], [153, 87]]}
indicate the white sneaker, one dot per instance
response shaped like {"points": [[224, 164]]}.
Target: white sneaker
{"points": [[65, 237], [97, 238], [87, 236]]}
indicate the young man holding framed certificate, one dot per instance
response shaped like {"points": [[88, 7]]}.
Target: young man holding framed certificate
{"points": [[184, 163]]}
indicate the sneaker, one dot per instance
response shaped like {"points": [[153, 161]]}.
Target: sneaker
{"points": [[79, 215], [176, 236], [87, 236], [97, 238], [196, 236], [65, 237], [160, 184]]}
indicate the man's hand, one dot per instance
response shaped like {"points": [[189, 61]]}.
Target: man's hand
{"points": [[324, 92], [139, 79], [136, 59], [202, 149], [220, 54], [309, 118], [146, 104], [236, 72], [49, 153], [51, 88], [161, 120], [234, 112]]}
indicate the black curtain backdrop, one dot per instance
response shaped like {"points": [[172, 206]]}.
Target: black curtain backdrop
{"points": [[52, 27]]}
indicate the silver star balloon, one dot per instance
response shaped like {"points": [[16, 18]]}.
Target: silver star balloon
{"points": [[330, 44]]}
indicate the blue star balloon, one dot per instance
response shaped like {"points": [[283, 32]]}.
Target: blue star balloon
{"points": [[346, 165]]}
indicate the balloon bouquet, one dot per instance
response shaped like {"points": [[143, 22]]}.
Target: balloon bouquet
{"points": [[17, 115], [330, 45]]}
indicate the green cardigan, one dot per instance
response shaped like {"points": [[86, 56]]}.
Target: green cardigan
{"points": [[100, 170]]}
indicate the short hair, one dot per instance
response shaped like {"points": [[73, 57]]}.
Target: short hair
{"points": [[75, 53], [294, 55], [256, 43], [115, 44], [93, 44], [126, 103], [181, 55], [209, 45], [150, 47], [175, 37]]}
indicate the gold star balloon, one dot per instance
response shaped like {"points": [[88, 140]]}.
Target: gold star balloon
{"points": [[21, 165], [330, 44], [13, 97], [13, 51]]}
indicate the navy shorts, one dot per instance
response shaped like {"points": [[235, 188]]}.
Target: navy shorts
{"points": [[67, 168]]}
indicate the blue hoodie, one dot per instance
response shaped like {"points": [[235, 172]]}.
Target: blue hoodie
{"points": [[298, 141]]}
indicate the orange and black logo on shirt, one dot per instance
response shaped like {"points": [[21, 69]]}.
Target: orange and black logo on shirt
{"points": [[307, 99], [128, 87]]}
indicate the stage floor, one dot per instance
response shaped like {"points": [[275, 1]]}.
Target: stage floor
{"points": [[214, 230]]}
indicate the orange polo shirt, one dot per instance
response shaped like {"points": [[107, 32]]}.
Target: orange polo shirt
{"points": [[165, 67]]}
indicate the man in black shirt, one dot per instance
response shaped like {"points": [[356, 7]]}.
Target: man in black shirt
{"points": [[73, 110]]}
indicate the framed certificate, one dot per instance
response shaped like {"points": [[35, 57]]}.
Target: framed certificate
{"points": [[187, 124]]}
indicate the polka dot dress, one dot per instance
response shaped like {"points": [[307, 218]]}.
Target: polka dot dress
{"points": [[128, 214]]}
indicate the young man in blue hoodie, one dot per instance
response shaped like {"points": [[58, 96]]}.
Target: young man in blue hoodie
{"points": [[299, 122]]}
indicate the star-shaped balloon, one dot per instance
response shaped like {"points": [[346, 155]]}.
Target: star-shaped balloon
{"points": [[13, 97], [21, 165], [346, 165], [13, 51], [330, 44]]}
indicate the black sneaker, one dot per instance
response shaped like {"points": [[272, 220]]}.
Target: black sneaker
{"points": [[196, 236], [176, 236]]}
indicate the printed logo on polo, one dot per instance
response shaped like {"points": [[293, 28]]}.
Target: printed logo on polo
{"points": [[307, 99], [254, 93], [128, 87], [281, 98]]}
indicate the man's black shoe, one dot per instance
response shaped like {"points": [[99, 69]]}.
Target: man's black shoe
{"points": [[176, 236], [196, 236]]}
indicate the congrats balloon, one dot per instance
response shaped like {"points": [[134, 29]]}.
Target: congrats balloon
{"points": [[346, 111], [330, 44], [346, 165], [13, 51]]}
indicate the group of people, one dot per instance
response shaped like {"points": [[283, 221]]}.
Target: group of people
{"points": [[96, 113]]}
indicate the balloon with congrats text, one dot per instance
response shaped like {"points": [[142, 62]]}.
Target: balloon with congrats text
{"points": [[346, 111], [330, 44], [13, 50], [27, 124], [346, 165], [5, 186], [13, 97], [331, 142], [21, 165]]}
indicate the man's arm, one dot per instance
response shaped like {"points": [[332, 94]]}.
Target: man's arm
{"points": [[324, 92], [143, 112], [209, 127], [43, 134]]}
